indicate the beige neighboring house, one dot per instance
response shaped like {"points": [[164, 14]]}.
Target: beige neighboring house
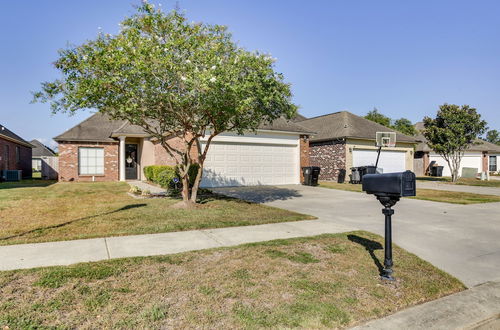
{"points": [[481, 155], [102, 149], [344, 140], [44, 160]]}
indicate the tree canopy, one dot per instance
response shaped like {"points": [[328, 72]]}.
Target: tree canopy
{"points": [[453, 130], [402, 125], [493, 136], [172, 78]]}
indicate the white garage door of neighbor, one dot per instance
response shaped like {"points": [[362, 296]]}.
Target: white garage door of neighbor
{"points": [[389, 161], [249, 164], [473, 160]]}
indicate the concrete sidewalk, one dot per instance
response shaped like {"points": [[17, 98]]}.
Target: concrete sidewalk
{"points": [[70, 252], [461, 188], [476, 308]]}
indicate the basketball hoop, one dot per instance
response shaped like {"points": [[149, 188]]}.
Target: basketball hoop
{"points": [[385, 139]]}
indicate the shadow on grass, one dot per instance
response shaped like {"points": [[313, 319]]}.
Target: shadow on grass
{"points": [[41, 229], [28, 183], [370, 246]]}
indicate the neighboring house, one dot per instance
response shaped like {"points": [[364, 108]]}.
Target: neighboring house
{"points": [[101, 149], [15, 153], [482, 155], [344, 140], [44, 160]]}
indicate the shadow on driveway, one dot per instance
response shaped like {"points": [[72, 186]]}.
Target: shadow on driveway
{"points": [[259, 194]]}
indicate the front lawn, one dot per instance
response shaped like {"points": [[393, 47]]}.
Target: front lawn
{"points": [[454, 197], [463, 181], [39, 211], [327, 281]]}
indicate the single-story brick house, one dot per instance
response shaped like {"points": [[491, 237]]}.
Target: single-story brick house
{"points": [[482, 155], [344, 140], [15, 153], [102, 149]]}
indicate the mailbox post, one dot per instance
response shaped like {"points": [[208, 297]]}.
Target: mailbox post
{"points": [[389, 188]]}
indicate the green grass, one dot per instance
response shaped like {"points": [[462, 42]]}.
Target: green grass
{"points": [[444, 196], [463, 181], [333, 283], [40, 211]]}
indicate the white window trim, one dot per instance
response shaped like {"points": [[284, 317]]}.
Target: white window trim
{"points": [[80, 161]]}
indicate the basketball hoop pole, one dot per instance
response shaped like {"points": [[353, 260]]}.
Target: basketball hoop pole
{"points": [[378, 156]]}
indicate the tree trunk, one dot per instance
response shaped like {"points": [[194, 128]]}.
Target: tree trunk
{"points": [[196, 185]]}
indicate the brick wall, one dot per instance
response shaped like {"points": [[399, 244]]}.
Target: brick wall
{"points": [[304, 155], [11, 163], [330, 156], [68, 161], [163, 158]]}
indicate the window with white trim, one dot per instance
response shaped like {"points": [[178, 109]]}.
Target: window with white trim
{"points": [[91, 161], [493, 163]]}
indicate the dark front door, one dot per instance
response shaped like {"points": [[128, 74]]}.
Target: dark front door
{"points": [[131, 161]]}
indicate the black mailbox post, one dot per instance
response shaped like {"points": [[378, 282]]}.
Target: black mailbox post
{"points": [[389, 188]]}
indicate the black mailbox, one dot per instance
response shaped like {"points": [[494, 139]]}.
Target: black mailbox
{"points": [[390, 184]]}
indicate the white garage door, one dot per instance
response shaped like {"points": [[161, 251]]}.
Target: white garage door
{"points": [[389, 161], [248, 164], [473, 160]]}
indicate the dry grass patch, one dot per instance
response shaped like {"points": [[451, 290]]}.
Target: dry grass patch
{"points": [[35, 211], [444, 196], [328, 281], [462, 181]]}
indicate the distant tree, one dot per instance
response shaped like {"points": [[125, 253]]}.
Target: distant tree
{"points": [[452, 131], [493, 136], [175, 79], [405, 126], [377, 117]]}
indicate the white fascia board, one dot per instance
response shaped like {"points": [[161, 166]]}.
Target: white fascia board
{"points": [[265, 137]]}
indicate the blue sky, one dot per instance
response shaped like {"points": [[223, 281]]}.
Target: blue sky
{"points": [[405, 58]]}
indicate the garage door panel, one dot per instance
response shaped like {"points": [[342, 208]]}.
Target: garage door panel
{"points": [[390, 161], [230, 164], [473, 160]]}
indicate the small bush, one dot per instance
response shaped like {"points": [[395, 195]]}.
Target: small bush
{"points": [[166, 177], [146, 193], [148, 173], [135, 190]]}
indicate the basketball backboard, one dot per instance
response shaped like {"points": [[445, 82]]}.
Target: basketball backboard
{"points": [[385, 139]]}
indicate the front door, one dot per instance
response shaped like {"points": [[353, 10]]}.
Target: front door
{"points": [[131, 161]]}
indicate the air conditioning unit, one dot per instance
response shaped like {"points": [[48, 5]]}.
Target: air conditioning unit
{"points": [[12, 175]]}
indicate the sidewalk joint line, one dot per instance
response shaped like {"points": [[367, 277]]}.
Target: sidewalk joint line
{"points": [[107, 248], [212, 237]]}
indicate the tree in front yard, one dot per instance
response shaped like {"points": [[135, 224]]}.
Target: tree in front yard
{"points": [[174, 79], [452, 131]]}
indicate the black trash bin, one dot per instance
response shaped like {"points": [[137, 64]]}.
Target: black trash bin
{"points": [[341, 177], [311, 175], [439, 170]]}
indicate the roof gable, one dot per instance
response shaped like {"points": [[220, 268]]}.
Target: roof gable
{"points": [[344, 124], [41, 150]]}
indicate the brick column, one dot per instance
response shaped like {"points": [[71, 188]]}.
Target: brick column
{"points": [[122, 158], [485, 162], [304, 154]]}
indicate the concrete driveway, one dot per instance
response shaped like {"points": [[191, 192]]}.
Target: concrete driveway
{"points": [[463, 240]]}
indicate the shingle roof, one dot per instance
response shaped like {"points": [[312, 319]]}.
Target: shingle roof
{"points": [[100, 128], [478, 145], [41, 150], [5, 132], [344, 124]]}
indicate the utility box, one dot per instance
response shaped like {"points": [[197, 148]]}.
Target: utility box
{"points": [[311, 175]]}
